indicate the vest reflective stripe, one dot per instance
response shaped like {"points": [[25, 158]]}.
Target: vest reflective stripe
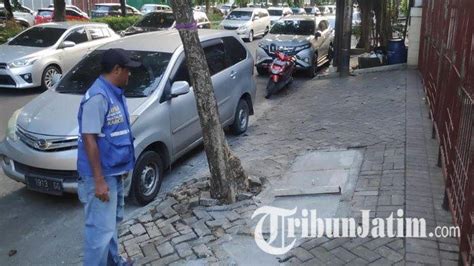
{"points": [[119, 133]]}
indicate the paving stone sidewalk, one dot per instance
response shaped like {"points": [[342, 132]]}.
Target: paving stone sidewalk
{"points": [[381, 114]]}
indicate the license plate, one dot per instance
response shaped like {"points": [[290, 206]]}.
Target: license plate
{"points": [[47, 185]]}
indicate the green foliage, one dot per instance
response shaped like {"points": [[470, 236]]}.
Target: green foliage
{"points": [[8, 31], [404, 7], [118, 23]]}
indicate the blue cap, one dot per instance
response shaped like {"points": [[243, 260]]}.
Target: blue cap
{"points": [[118, 56]]}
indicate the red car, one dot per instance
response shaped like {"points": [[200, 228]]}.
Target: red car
{"points": [[46, 15]]}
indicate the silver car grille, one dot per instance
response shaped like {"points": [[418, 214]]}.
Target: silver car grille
{"points": [[46, 143]]}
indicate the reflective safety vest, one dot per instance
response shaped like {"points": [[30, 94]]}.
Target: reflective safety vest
{"points": [[115, 142]]}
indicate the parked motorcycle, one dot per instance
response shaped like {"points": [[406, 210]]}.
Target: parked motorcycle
{"points": [[281, 73]]}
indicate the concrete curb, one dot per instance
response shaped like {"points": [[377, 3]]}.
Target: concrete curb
{"points": [[366, 70]]}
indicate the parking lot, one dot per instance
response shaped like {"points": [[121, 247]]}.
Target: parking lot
{"points": [[47, 229]]}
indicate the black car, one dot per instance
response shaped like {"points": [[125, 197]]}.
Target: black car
{"points": [[162, 20], [112, 9]]}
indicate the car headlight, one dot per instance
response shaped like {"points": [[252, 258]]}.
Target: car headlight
{"points": [[244, 27], [302, 47], [11, 127], [22, 62]]}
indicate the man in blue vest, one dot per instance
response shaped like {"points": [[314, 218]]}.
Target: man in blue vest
{"points": [[105, 156]]}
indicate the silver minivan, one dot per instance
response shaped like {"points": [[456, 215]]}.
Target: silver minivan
{"points": [[40, 149]]}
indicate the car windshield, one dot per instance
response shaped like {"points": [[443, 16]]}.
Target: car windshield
{"points": [[148, 8], [103, 8], [308, 10], [45, 13], [294, 27], [275, 12], [156, 20], [38, 37], [142, 82], [240, 15]]}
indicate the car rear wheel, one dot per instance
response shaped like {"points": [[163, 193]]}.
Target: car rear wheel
{"points": [[241, 118], [147, 177], [48, 79]]}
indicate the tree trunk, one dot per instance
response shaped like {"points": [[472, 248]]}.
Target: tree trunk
{"points": [[123, 8], [365, 25], [207, 6], [59, 10], [8, 9], [344, 63], [227, 174], [274, 3]]}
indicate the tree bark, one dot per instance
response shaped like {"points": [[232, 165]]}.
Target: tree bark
{"points": [[227, 174], [59, 10], [274, 3], [8, 9], [344, 63], [366, 24], [123, 8]]}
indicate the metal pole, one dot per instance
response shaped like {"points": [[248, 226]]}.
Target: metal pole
{"points": [[338, 37]]}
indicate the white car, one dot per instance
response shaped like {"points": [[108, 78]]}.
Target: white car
{"points": [[247, 22], [41, 54], [23, 15], [277, 13]]}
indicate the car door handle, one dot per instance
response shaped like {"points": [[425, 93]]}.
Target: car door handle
{"points": [[233, 74]]}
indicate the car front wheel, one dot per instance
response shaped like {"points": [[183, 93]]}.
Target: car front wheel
{"points": [[250, 39], [147, 177], [311, 71], [50, 76]]}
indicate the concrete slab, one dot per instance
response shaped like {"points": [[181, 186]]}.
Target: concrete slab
{"points": [[324, 160], [316, 178], [243, 251]]}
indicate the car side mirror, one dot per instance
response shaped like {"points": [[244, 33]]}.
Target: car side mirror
{"points": [[256, 18], [318, 34], [179, 88], [66, 44]]}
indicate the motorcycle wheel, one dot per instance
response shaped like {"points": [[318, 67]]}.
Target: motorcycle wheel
{"points": [[271, 88]]}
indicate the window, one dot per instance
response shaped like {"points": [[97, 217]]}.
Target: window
{"points": [[323, 25], [215, 57], [235, 51], [96, 33], [293, 27], [142, 82], [275, 12], [38, 37], [156, 20], [72, 13], [182, 74], [77, 36], [106, 32]]}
